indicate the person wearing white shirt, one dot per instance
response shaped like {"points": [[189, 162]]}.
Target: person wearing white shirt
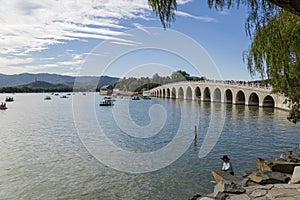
{"points": [[227, 166]]}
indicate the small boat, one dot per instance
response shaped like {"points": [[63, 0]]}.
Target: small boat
{"points": [[109, 98], [3, 106], [9, 99], [106, 102], [135, 98], [47, 98], [146, 98]]}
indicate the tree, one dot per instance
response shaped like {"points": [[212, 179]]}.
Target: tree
{"points": [[180, 76], [274, 52]]}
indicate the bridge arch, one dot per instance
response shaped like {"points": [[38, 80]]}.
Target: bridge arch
{"points": [[164, 93], [188, 94], [240, 98], [197, 93], [253, 99], [168, 92], [173, 95], [206, 94], [180, 93], [230, 93], [268, 101], [228, 96], [217, 95]]}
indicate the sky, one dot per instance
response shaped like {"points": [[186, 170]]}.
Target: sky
{"points": [[121, 38]]}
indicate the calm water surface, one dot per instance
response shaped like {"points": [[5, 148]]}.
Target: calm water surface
{"points": [[42, 157]]}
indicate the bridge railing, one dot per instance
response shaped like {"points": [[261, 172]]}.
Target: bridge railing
{"points": [[230, 83]]}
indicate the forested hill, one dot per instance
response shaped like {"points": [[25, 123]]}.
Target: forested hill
{"points": [[27, 78]]}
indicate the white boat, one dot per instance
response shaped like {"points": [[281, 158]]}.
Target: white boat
{"points": [[106, 102]]}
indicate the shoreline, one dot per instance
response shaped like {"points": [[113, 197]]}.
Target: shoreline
{"points": [[275, 178]]}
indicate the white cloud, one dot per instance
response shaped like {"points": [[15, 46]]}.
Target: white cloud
{"points": [[140, 27], [200, 18], [30, 26], [15, 60]]}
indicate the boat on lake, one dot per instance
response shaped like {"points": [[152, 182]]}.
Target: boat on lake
{"points": [[146, 98], [109, 98], [135, 98], [47, 98], [9, 99], [3, 106], [106, 102]]}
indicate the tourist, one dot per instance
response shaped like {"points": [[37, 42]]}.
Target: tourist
{"points": [[227, 166]]}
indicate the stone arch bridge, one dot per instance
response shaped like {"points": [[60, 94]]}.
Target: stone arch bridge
{"points": [[219, 91]]}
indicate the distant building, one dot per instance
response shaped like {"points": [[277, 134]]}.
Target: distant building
{"points": [[106, 90], [146, 92]]}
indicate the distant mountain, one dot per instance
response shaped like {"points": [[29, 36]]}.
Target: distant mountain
{"points": [[27, 78], [43, 84]]}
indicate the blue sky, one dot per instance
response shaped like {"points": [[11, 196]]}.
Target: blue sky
{"points": [[60, 36]]}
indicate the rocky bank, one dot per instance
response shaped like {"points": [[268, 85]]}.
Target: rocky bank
{"points": [[276, 178]]}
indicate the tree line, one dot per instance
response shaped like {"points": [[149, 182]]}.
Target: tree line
{"points": [[26, 89], [138, 84]]}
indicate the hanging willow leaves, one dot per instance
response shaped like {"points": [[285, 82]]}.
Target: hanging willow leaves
{"points": [[275, 54], [165, 9]]}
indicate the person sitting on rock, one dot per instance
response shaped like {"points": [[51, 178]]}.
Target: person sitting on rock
{"points": [[227, 166]]}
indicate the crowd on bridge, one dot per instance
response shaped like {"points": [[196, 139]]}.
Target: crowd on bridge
{"points": [[256, 84]]}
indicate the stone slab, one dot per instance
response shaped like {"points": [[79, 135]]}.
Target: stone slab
{"points": [[238, 197], [276, 165], [269, 177], [287, 186], [282, 193], [296, 175], [220, 175], [258, 193]]}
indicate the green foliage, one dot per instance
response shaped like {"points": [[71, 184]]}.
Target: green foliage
{"points": [[275, 53], [165, 10], [134, 84]]}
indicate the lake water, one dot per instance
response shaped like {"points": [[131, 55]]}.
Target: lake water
{"points": [[42, 157]]}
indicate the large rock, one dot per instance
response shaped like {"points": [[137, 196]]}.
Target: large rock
{"points": [[276, 165], [220, 175], [268, 177], [286, 155], [228, 187]]}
